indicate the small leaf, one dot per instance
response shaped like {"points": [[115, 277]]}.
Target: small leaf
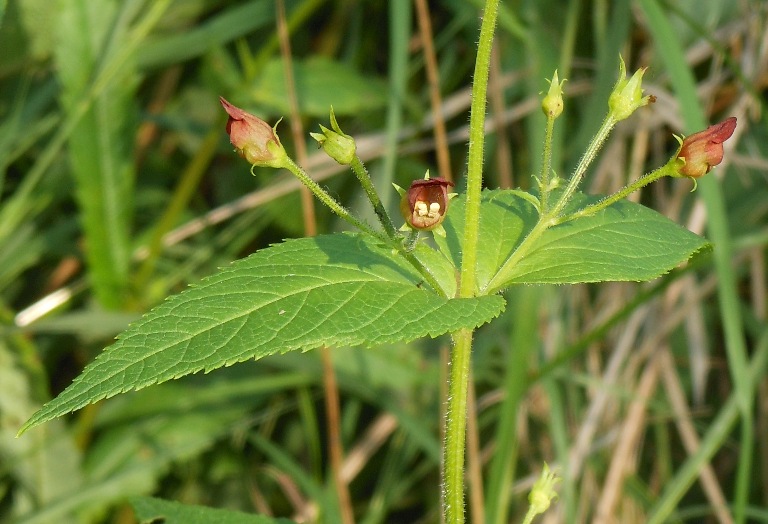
{"points": [[332, 290], [625, 242], [149, 509]]}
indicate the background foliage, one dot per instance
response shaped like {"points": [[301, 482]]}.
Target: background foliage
{"points": [[118, 187]]}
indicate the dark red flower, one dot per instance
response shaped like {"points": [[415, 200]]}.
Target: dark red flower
{"points": [[425, 203], [253, 138], [701, 151]]}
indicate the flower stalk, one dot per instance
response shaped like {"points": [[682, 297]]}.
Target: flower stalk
{"points": [[696, 156], [378, 207], [331, 202], [342, 148], [552, 106], [342, 212], [666, 170], [625, 99], [581, 168]]}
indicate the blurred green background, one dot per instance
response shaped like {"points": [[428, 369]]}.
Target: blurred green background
{"points": [[118, 187]]}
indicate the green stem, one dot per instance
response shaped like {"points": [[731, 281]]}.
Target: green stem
{"points": [[545, 185], [331, 202], [589, 155], [665, 170], [456, 427], [550, 217], [475, 155], [365, 180], [456, 418], [411, 239]]}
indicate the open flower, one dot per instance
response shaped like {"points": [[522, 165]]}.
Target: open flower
{"points": [[425, 203], [701, 151], [253, 138]]}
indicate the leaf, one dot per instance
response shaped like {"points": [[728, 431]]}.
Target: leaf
{"points": [[190, 42], [504, 216], [101, 144], [625, 242], [320, 84], [149, 509], [332, 290], [22, 249], [47, 463]]}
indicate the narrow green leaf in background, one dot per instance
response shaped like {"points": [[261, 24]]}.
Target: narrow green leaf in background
{"points": [[231, 23], [51, 465], [335, 290], [150, 510], [100, 146]]}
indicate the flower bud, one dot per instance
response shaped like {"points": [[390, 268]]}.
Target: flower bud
{"points": [[253, 138], [701, 151], [543, 492], [337, 145], [425, 203], [627, 95], [552, 104]]}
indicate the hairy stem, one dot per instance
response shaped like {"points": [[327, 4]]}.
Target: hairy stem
{"points": [[456, 419], [666, 170], [589, 155], [365, 180], [545, 177], [331, 202]]}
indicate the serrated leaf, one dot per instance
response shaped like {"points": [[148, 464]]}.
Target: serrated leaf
{"points": [[625, 242], [149, 509], [332, 290]]}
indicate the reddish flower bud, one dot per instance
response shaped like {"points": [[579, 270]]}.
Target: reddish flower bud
{"points": [[425, 203], [701, 151], [253, 138]]}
